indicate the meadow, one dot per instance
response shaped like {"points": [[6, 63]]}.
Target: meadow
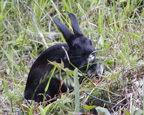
{"points": [[116, 29]]}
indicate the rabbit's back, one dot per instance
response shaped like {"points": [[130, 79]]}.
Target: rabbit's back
{"points": [[54, 53]]}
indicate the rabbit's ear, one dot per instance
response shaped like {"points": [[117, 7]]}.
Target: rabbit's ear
{"points": [[75, 25], [65, 31]]}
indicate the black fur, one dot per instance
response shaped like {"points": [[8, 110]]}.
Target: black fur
{"points": [[78, 48]]}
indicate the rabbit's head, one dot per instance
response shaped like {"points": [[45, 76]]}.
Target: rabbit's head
{"points": [[80, 47]]}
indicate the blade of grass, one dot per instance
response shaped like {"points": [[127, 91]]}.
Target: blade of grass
{"points": [[76, 90], [8, 93], [52, 73], [11, 60], [31, 109], [2, 17]]}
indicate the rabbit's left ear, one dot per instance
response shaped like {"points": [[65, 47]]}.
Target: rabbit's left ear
{"points": [[65, 31], [75, 25]]}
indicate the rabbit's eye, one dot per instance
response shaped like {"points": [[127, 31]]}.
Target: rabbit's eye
{"points": [[76, 46]]}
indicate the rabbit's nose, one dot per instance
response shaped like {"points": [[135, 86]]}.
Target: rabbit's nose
{"points": [[91, 58]]}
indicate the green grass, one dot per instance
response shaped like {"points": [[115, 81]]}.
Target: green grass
{"points": [[116, 30]]}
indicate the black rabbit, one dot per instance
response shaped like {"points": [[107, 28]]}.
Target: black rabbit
{"points": [[79, 49]]}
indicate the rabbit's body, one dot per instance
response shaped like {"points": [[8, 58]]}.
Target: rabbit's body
{"points": [[78, 48], [40, 68]]}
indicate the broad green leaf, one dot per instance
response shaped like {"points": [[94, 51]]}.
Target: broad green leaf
{"points": [[126, 112], [102, 110], [138, 112], [89, 107]]}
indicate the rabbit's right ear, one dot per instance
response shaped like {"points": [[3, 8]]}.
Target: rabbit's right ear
{"points": [[65, 31], [75, 25]]}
